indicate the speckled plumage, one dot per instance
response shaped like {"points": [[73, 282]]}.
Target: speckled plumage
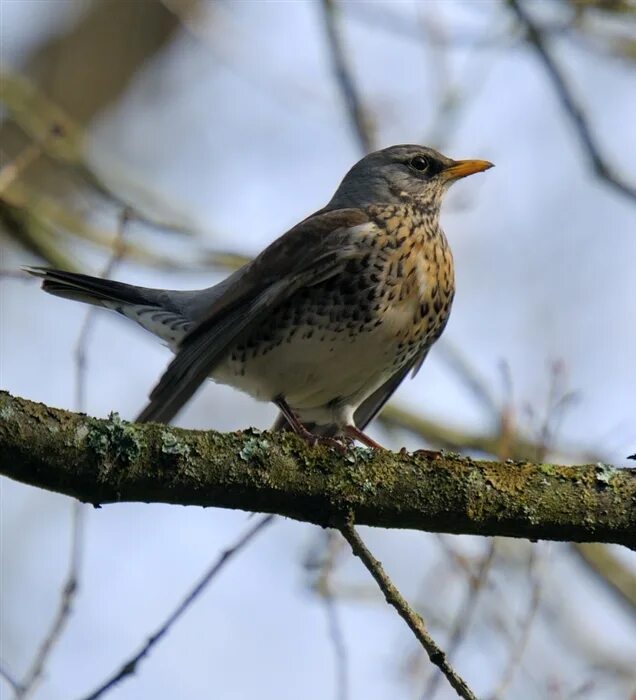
{"points": [[330, 318]]}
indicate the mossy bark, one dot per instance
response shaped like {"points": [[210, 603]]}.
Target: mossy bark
{"points": [[106, 461]]}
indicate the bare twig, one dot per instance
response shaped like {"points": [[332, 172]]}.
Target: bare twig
{"points": [[569, 103], [413, 620], [324, 587], [130, 666], [464, 615], [9, 679], [39, 118], [119, 251], [69, 590], [70, 587], [518, 649], [472, 379], [619, 577], [378, 16], [358, 117]]}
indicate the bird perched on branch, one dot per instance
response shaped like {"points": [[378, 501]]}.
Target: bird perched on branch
{"points": [[329, 319]]}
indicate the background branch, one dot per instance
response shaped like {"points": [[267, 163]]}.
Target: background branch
{"points": [[569, 103], [412, 619]]}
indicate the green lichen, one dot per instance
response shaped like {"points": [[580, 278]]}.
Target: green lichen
{"points": [[114, 440], [255, 450], [604, 473], [354, 455], [171, 445]]}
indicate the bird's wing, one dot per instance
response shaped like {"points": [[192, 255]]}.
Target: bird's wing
{"points": [[371, 406], [316, 249]]}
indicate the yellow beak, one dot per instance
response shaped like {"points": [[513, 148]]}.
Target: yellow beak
{"points": [[462, 168]]}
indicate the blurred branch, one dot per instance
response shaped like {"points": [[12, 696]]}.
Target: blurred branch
{"points": [[601, 167], [69, 591], [54, 133], [358, 117], [464, 615], [129, 667], [441, 435], [9, 679], [119, 252], [413, 620], [324, 587], [106, 461], [377, 15], [43, 226], [611, 570], [518, 649]]}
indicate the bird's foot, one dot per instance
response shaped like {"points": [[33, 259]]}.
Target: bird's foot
{"points": [[354, 433]]}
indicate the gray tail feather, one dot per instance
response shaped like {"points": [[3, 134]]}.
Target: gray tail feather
{"points": [[91, 290]]}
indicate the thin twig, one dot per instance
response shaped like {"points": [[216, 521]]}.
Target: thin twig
{"points": [[119, 250], [9, 679], [11, 170], [464, 615], [569, 103], [358, 118], [69, 590], [130, 666], [324, 587], [413, 620], [518, 649], [470, 376]]}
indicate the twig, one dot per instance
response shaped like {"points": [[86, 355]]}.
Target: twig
{"points": [[618, 577], [376, 16], [570, 105], [13, 168], [38, 117], [118, 253], [8, 678], [358, 118], [519, 647], [325, 589], [464, 614], [413, 620], [468, 373], [130, 666], [62, 616]]}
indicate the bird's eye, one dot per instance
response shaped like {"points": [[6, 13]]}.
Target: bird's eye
{"points": [[419, 163]]}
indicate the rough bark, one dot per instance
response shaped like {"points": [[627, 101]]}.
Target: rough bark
{"points": [[109, 460]]}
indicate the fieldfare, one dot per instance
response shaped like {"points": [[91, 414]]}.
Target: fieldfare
{"points": [[329, 319]]}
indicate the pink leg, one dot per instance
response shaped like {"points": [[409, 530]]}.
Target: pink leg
{"points": [[302, 432], [357, 434]]}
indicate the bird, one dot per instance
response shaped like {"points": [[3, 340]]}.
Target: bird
{"points": [[328, 320]]}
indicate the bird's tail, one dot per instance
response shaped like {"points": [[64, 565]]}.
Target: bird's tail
{"points": [[153, 309], [90, 290]]}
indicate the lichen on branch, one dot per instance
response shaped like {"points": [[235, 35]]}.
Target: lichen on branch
{"points": [[109, 460]]}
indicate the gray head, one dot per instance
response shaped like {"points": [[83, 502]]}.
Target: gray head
{"points": [[401, 174]]}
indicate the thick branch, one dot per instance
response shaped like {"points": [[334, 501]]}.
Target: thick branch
{"points": [[105, 461]]}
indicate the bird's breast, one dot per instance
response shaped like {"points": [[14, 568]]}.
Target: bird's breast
{"points": [[415, 280]]}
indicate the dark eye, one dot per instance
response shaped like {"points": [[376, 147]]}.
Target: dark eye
{"points": [[419, 163]]}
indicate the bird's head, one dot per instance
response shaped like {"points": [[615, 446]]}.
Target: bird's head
{"points": [[403, 173]]}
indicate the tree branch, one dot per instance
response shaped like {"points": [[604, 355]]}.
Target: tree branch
{"points": [[413, 620], [569, 103], [107, 461]]}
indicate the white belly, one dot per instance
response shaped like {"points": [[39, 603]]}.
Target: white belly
{"points": [[325, 377]]}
